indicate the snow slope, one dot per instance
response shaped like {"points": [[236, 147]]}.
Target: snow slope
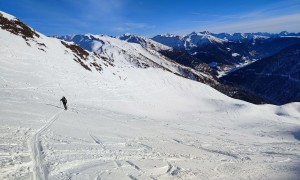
{"points": [[131, 123], [143, 54]]}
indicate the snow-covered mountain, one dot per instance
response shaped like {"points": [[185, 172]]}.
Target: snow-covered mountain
{"points": [[199, 38], [188, 41], [142, 53], [47, 46], [224, 51], [127, 122], [145, 42], [145, 53], [276, 78]]}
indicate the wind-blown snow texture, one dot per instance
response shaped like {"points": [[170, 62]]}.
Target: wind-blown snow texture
{"points": [[126, 122]]}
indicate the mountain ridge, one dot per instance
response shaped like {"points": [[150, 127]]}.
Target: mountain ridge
{"points": [[275, 78]]}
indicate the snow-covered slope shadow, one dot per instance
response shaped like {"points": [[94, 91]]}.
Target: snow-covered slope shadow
{"points": [[296, 134], [130, 123]]}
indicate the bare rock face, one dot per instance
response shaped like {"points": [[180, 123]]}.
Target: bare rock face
{"points": [[17, 27]]}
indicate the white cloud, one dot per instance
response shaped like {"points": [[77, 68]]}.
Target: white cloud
{"points": [[270, 24], [273, 18]]}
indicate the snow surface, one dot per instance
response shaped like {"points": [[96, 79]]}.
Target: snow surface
{"points": [[7, 16], [131, 123], [235, 54]]}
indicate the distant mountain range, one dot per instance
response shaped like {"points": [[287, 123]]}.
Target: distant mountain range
{"points": [[219, 60], [226, 51], [195, 39], [275, 78], [265, 64]]}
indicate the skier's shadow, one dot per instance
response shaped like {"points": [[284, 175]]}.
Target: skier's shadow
{"points": [[54, 106]]}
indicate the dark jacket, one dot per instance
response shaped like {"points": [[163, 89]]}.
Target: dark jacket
{"points": [[64, 100]]}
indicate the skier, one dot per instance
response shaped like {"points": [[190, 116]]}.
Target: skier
{"points": [[64, 101]]}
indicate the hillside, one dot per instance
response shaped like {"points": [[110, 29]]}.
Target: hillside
{"points": [[275, 78], [142, 55], [142, 52]]}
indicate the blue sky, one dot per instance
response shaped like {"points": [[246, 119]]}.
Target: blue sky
{"points": [[152, 17]]}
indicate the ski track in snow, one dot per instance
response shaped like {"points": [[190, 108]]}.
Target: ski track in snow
{"points": [[39, 170]]}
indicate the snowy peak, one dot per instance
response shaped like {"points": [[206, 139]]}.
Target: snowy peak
{"points": [[200, 38], [284, 33], [86, 59], [168, 35], [170, 40], [188, 41], [143, 41], [247, 36], [226, 51], [205, 37], [87, 41]]}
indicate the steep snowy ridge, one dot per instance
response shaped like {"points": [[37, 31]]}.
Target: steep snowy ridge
{"points": [[15, 26], [136, 51], [171, 40], [145, 42], [127, 122], [201, 38], [46, 46]]}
